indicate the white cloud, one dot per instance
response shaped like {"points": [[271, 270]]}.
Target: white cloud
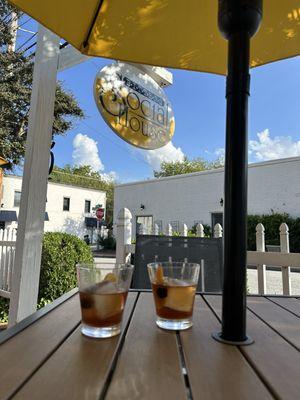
{"points": [[220, 152], [109, 176], [85, 152], [168, 153], [267, 148]]}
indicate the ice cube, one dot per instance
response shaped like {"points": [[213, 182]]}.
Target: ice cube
{"points": [[102, 287], [107, 305], [180, 298]]}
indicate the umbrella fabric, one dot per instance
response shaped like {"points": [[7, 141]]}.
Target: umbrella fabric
{"points": [[175, 34]]}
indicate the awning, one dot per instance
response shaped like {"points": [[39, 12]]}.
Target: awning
{"points": [[176, 34], [8, 216], [90, 222]]}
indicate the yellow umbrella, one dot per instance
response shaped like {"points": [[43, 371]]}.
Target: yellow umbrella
{"points": [[176, 33], [3, 161], [184, 34]]}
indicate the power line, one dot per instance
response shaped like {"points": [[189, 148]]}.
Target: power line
{"points": [[23, 23], [26, 41], [12, 19]]}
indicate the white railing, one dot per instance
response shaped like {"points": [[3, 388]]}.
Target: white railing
{"points": [[259, 258], [7, 258]]}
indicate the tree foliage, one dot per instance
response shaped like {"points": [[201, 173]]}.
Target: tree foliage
{"points": [[271, 223], [186, 167], [85, 177], [15, 91]]}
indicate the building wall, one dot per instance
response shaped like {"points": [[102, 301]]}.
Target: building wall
{"points": [[272, 186], [65, 221]]}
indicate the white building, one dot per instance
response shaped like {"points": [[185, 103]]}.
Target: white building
{"points": [[68, 208], [273, 186]]}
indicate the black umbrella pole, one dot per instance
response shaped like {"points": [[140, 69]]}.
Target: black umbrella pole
{"points": [[236, 161], [238, 22]]}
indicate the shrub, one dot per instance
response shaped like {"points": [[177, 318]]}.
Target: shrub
{"points": [[61, 252], [207, 230], [272, 223], [109, 242], [4, 306]]}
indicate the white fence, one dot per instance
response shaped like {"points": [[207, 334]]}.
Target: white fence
{"points": [[259, 258], [7, 258]]}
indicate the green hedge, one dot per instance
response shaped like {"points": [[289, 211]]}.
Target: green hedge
{"points": [[272, 223], [60, 253]]}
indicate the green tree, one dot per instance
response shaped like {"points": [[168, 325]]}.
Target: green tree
{"points": [[186, 167], [15, 90], [84, 176]]}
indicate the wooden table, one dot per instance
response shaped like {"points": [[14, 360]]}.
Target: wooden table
{"points": [[46, 357]]}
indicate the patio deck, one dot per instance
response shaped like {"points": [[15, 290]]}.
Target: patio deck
{"points": [[46, 357]]}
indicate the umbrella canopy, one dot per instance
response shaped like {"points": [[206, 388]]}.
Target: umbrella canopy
{"points": [[175, 34], [3, 162]]}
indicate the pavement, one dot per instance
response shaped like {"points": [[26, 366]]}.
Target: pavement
{"points": [[273, 281]]}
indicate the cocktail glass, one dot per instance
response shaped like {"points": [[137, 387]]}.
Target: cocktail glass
{"points": [[174, 286], [103, 291]]}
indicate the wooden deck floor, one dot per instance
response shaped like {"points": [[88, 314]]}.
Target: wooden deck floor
{"points": [[50, 359]]}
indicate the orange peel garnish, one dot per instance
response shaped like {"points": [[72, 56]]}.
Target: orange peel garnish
{"points": [[159, 274], [111, 277]]}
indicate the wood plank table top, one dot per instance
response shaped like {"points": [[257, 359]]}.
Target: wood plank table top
{"points": [[47, 357]]}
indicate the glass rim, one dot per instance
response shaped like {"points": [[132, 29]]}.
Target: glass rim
{"points": [[171, 264], [100, 266]]}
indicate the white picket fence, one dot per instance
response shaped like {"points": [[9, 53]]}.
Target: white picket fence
{"points": [[7, 257], [259, 258]]}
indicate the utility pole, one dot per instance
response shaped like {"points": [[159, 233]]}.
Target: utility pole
{"points": [[13, 28]]}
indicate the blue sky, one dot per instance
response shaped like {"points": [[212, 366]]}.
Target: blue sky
{"points": [[198, 102]]}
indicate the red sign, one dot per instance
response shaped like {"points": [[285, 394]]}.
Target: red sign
{"points": [[100, 213]]}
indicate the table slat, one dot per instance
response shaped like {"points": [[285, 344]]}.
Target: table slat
{"points": [[217, 371], [22, 354], [282, 321], [78, 369], [289, 303], [149, 364], [275, 360]]}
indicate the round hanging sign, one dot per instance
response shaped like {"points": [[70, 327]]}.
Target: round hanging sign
{"points": [[134, 106]]}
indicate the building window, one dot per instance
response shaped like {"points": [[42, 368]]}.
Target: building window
{"points": [[2, 224], [145, 222], [158, 222], [66, 204], [216, 218], [87, 206], [175, 225], [17, 198]]}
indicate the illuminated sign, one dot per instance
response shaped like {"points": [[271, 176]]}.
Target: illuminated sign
{"points": [[134, 106]]}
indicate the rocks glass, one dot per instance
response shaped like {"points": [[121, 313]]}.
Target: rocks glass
{"points": [[174, 286], [103, 291]]}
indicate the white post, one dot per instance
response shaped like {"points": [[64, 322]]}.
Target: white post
{"points": [[156, 229], [199, 230], [25, 280], [261, 268], [169, 230], [124, 232], [218, 231], [285, 248], [184, 230]]}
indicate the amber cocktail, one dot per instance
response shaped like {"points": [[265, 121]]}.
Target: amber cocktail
{"points": [[174, 287], [103, 291]]}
